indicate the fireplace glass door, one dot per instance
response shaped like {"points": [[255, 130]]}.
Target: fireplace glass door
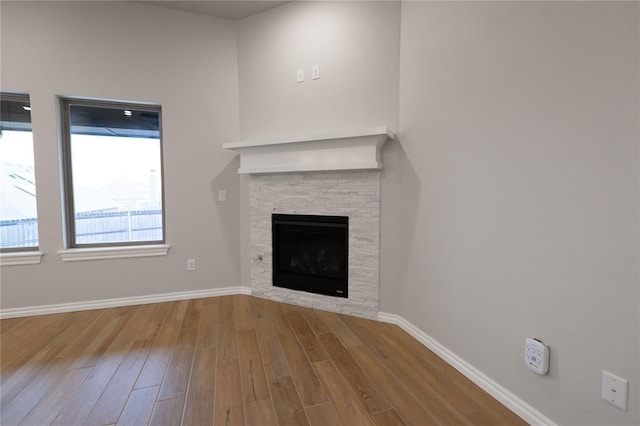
{"points": [[310, 253]]}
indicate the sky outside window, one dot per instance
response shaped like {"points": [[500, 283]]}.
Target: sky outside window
{"points": [[18, 199], [115, 173]]}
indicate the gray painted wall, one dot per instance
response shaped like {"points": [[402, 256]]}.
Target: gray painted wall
{"points": [[130, 51], [519, 129]]}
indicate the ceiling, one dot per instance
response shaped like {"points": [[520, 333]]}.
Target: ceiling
{"points": [[233, 10]]}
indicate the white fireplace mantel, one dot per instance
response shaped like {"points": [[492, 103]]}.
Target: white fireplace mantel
{"points": [[333, 151]]}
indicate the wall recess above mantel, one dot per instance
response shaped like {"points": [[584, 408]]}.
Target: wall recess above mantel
{"points": [[355, 150]]}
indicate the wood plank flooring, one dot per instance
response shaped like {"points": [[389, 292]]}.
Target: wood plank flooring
{"points": [[232, 360]]}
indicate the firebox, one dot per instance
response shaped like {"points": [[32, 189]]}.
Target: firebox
{"points": [[310, 253]]}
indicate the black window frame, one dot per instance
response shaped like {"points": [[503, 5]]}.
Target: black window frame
{"points": [[67, 168]]}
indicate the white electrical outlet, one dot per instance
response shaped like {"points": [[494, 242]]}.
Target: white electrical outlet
{"points": [[222, 195], [614, 390], [315, 72], [536, 355], [300, 75], [191, 264]]}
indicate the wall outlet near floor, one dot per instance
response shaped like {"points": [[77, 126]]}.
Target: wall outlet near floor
{"points": [[614, 390], [191, 264]]}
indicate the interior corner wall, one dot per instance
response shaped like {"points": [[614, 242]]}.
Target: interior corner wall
{"points": [[135, 52], [519, 179], [356, 45]]}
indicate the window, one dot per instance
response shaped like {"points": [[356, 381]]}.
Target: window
{"points": [[18, 213], [112, 159]]}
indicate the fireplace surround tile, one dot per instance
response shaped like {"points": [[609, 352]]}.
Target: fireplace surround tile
{"points": [[352, 193]]}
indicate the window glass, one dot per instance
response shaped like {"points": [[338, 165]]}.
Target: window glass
{"points": [[113, 170], [18, 208]]}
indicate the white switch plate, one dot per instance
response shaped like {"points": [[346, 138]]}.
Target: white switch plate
{"points": [[191, 264], [300, 75], [222, 195], [614, 390], [315, 72]]}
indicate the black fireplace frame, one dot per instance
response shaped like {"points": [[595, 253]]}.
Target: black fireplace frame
{"points": [[304, 282]]}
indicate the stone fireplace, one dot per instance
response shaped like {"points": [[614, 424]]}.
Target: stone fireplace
{"points": [[337, 176]]}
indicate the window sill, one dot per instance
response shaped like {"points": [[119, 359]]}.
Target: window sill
{"points": [[20, 258], [73, 255]]}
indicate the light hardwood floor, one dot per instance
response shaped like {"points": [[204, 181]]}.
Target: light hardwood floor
{"points": [[229, 360]]}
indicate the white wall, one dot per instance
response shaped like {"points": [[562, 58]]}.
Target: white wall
{"points": [[136, 52], [519, 128], [356, 45]]}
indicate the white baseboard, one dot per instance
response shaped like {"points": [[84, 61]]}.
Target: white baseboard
{"points": [[121, 301], [509, 400]]}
